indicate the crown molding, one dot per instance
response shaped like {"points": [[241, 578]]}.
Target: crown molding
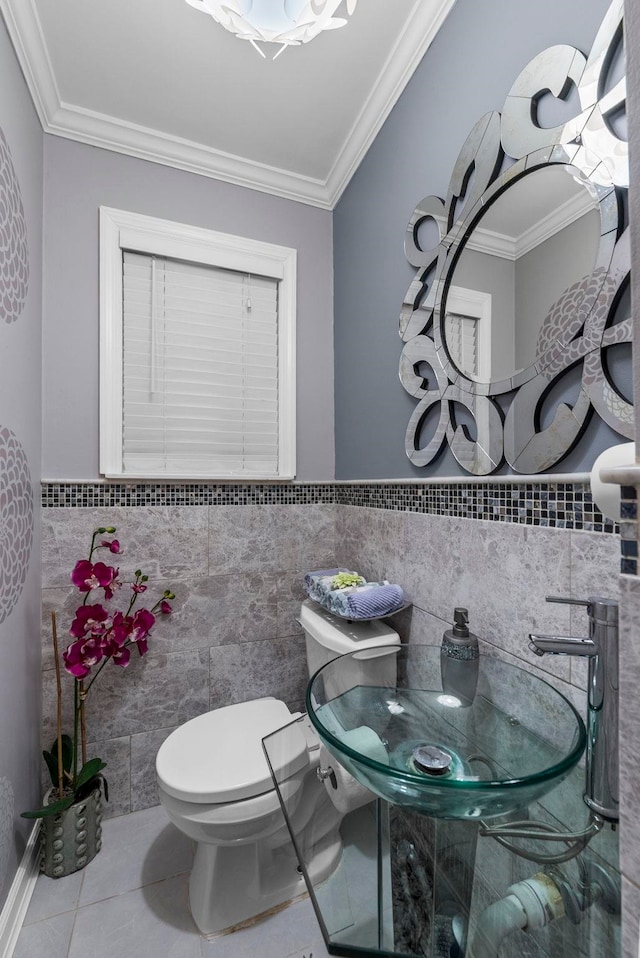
{"points": [[24, 28], [119, 136], [420, 30], [565, 214], [85, 126], [492, 243], [512, 248]]}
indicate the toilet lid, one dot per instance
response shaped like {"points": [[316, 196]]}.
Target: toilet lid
{"points": [[218, 757]]}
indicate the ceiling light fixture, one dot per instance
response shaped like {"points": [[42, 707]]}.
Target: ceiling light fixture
{"points": [[287, 22]]}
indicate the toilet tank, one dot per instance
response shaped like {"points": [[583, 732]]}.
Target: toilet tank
{"points": [[327, 637]]}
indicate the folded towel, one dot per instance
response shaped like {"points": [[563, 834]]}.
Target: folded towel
{"points": [[319, 584], [365, 601]]}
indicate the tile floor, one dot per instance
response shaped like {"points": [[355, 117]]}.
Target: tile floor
{"points": [[131, 900]]}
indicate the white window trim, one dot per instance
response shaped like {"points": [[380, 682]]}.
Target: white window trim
{"points": [[120, 229], [475, 304]]}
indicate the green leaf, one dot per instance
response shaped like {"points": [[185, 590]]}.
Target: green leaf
{"points": [[52, 765], [52, 809], [84, 791], [67, 753], [51, 758], [89, 771]]}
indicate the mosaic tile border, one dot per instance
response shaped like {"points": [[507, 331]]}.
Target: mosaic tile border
{"points": [[565, 505], [104, 495]]}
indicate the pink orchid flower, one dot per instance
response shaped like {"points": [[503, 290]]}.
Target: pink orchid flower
{"points": [[87, 576], [143, 622], [121, 658], [89, 618], [117, 651], [101, 635], [121, 628], [112, 546], [143, 646], [80, 656]]}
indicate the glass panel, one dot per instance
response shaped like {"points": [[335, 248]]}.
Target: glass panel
{"points": [[401, 884], [348, 884]]}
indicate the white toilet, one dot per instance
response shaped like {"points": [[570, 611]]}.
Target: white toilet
{"points": [[216, 786]]}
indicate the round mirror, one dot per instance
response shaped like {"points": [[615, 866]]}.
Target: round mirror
{"points": [[535, 242]]}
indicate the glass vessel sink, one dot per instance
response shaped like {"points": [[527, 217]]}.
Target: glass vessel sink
{"points": [[385, 716]]}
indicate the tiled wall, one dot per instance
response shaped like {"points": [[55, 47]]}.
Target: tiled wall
{"points": [[502, 571], [236, 573], [235, 559]]}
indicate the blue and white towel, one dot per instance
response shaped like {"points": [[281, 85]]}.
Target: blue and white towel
{"points": [[366, 601], [319, 584]]}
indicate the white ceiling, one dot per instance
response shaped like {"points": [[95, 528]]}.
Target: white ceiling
{"points": [[160, 80]]}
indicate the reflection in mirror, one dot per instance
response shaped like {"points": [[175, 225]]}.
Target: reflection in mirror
{"points": [[539, 238], [522, 273]]}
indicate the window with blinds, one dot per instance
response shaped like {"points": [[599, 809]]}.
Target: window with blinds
{"points": [[197, 366], [200, 369], [462, 341], [468, 331]]}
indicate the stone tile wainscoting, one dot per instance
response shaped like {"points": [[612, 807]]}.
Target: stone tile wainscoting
{"points": [[235, 556], [236, 571]]}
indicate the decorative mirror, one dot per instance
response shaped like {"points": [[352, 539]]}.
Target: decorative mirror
{"points": [[520, 274]]}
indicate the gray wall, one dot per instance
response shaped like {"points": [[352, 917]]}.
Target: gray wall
{"points": [[563, 259], [79, 179], [20, 364], [468, 71]]}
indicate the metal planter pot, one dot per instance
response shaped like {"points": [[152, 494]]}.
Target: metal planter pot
{"points": [[70, 840]]}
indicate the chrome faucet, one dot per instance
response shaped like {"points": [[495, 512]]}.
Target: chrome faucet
{"points": [[602, 787]]}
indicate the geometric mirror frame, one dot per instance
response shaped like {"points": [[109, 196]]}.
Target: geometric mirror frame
{"points": [[520, 274]]}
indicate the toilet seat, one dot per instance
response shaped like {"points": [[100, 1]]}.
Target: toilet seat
{"points": [[218, 757], [243, 819]]}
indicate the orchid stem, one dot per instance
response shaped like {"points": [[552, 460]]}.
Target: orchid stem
{"points": [[93, 546], [83, 729], [88, 688], [75, 732]]}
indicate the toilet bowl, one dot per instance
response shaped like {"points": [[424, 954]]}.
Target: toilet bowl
{"points": [[217, 787]]}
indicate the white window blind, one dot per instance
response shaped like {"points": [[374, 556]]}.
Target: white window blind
{"points": [[462, 341], [200, 369]]}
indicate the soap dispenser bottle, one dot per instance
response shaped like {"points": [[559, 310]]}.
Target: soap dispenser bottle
{"points": [[459, 659]]}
